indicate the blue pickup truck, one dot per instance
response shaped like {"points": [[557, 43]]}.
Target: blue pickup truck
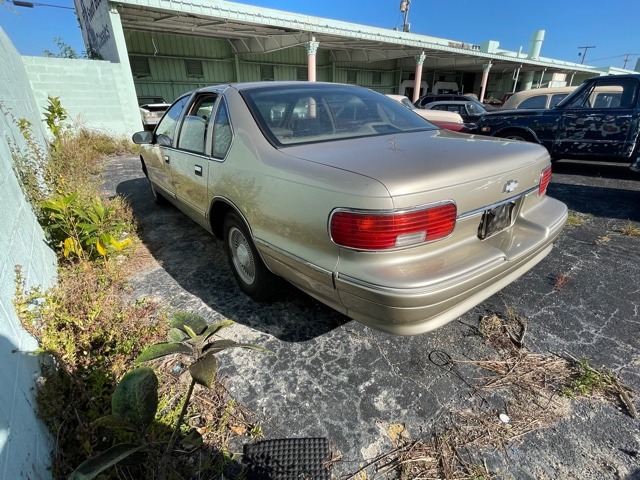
{"points": [[600, 120]]}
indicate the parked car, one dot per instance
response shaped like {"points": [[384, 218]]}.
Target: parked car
{"points": [[597, 121], [354, 199], [471, 110], [449, 120], [537, 98], [151, 110], [443, 97]]}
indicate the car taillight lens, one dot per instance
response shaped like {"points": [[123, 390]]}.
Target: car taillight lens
{"points": [[453, 126], [545, 178], [384, 231]]}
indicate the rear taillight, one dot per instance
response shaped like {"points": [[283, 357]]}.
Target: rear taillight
{"points": [[387, 230], [545, 178], [453, 126]]}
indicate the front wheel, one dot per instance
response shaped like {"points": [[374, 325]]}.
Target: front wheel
{"points": [[521, 136], [250, 272], [157, 197]]}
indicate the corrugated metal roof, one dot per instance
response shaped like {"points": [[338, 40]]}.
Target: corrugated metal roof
{"points": [[253, 29]]}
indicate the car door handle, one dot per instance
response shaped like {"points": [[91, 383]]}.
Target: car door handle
{"points": [[198, 170], [166, 159]]}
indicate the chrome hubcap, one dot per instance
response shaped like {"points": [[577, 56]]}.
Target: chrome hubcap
{"points": [[241, 256]]}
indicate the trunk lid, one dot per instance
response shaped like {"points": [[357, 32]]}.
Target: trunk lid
{"points": [[424, 167]]}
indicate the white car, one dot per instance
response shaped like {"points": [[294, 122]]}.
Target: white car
{"points": [[448, 120], [151, 110]]}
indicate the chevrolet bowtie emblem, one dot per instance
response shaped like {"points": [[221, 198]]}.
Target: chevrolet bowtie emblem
{"points": [[510, 186]]}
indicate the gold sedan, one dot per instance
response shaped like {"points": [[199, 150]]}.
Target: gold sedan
{"points": [[354, 199]]}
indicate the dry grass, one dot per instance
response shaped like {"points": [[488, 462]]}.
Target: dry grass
{"points": [[561, 282], [631, 230], [522, 392], [577, 219]]}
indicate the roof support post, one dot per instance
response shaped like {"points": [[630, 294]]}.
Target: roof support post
{"points": [[236, 61], [527, 80], [312, 49], [516, 74], [418, 76], [485, 76]]}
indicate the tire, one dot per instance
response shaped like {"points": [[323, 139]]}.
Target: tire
{"points": [[521, 136], [250, 272], [157, 197]]}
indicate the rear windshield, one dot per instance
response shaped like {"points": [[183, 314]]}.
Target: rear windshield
{"points": [[304, 113]]}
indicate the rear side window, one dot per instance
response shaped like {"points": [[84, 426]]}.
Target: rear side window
{"points": [[556, 99], [537, 101], [167, 126], [222, 134]]}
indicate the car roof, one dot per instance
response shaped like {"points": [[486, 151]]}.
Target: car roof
{"points": [[518, 97], [251, 85], [451, 102]]}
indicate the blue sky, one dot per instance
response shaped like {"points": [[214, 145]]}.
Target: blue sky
{"points": [[611, 26]]}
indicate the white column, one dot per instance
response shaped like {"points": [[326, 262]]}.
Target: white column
{"points": [[485, 76], [418, 76], [312, 49]]}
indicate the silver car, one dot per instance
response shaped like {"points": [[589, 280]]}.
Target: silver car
{"points": [[354, 199]]}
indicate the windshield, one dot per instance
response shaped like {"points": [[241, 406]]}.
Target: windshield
{"points": [[294, 114]]}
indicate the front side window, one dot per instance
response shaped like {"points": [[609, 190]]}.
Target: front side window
{"points": [[475, 109], [194, 126], [167, 127], [610, 93], [301, 114]]}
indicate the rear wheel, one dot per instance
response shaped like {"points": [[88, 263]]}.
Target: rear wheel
{"points": [[250, 272]]}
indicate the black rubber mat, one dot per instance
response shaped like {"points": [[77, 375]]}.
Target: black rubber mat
{"points": [[288, 459]]}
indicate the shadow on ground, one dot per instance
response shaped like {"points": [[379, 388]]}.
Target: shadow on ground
{"points": [[608, 199], [195, 259]]}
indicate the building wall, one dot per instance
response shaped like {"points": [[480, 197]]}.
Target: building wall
{"points": [[160, 65], [90, 90], [25, 443]]}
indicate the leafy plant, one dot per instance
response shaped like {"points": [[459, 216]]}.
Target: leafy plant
{"points": [[589, 380], [134, 406], [64, 50], [190, 336], [55, 115], [86, 230]]}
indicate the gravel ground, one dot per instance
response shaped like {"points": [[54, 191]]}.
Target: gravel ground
{"points": [[332, 377]]}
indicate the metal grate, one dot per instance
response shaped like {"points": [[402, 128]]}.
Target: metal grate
{"points": [[266, 73], [302, 74], [194, 68], [140, 66], [288, 459]]}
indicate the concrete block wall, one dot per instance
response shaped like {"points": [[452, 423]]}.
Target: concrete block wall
{"points": [[25, 444], [91, 91]]}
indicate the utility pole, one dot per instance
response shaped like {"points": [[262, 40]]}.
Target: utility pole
{"points": [[404, 8], [583, 55], [626, 59]]}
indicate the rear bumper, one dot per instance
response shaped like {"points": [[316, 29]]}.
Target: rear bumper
{"points": [[411, 311]]}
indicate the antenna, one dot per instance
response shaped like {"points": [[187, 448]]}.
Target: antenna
{"points": [[404, 8]]}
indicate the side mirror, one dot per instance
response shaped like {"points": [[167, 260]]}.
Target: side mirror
{"points": [[142, 138]]}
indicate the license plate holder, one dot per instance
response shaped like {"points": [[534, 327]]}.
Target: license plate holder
{"points": [[496, 219]]}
